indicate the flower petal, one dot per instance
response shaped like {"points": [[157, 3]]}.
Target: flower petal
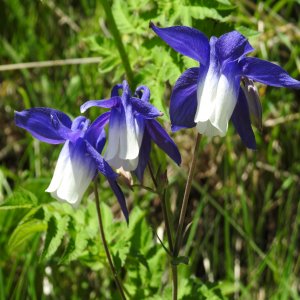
{"points": [[127, 164], [73, 173], [130, 164], [62, 161], [183, 103], [102, 166], [185, 40], [115, 90], [143, 156], [241, 121], [114, 134], [108, 103], [144, 90], [144, 108], [226, 98], [129, 139], [163, 140], [80, 123], [120, 196], [95, 134], [126, 93], [46, 124], [267, 73], [218, 99], [207, 86], [231, 46], [254, 105]]}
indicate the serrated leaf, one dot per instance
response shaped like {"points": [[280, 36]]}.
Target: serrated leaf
{"points": [[225, 2], [75, 248], [24, 232], [57, 228], [247, 32], [140, 234], [126, 21], [107, 215], [109, 63], [202, 12], [20, 199], [120, 250]]}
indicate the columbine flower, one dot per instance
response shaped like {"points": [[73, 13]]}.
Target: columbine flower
{"points": [[132, 127], [208, 96], [79, 159]]}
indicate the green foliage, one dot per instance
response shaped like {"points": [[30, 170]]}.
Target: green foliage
{"points": [[148, 56], [56, 229], [24, 232], [244, 206], [20, 199]]}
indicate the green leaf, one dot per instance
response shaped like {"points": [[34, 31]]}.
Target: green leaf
{"points": [[57, 228], [127, 22], [76, 247], [202, 12], [247, 32], [24, 232], [20, 199]]}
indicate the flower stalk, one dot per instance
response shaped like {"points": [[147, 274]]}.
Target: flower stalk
{"points": [[111, 265], [179, 233], [162, 196], [116, 34]]}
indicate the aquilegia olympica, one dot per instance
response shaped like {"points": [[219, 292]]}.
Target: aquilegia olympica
{"points": [[208, 96], [79, 159], [132, 126]]}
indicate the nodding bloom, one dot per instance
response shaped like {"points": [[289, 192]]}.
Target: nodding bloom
{"points": [[132, 126], [79, 160], [222, 87]]}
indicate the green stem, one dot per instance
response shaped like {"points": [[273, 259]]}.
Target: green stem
{"points": [[179, 233], [168, 230], [167, 221], [113, 270], [175, 282], [116, 34]]}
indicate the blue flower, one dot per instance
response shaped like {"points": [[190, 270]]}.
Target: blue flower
{"points": [[80, 159], [222, 87], [132, 126]]}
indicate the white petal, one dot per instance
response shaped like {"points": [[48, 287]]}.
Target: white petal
{"points": [[113, 137], [139, 129], [206, 94], [76, 174], [128, 136], [207, 87], [127, 164], [225, 102], [124, 140], [63, 158], [207, 129]]}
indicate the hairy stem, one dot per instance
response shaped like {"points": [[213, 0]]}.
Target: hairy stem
{"points": [[179, 233], [111, 265], [116, 34]]}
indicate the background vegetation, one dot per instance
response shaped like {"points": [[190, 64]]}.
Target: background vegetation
{"points": [[243, 241]]}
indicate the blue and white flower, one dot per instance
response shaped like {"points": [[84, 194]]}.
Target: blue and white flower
{"points": [[132, 126], [210, 95], [80, 159]]}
